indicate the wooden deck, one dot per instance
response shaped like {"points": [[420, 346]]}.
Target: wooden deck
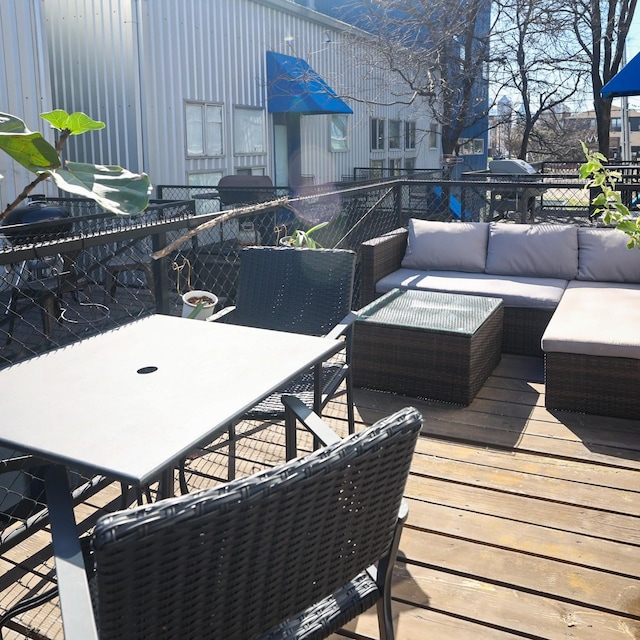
{"points": [[522, 523]]}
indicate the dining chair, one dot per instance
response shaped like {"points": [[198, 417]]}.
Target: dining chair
{"points": [[248, 559], [306, 291]]}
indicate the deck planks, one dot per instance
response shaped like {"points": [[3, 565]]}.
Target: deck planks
{"points": [[523, 523]]}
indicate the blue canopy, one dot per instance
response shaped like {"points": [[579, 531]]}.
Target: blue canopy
{"points": [[626, 82], [293, 86]]}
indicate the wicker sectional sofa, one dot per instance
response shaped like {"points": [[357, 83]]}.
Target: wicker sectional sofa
{"points": [[570, 292]]}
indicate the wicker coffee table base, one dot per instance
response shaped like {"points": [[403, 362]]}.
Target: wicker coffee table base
{"points": [[425, 364]]}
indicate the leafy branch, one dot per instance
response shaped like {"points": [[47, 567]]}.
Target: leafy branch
{"points": [[115, 189], [608, 202]]}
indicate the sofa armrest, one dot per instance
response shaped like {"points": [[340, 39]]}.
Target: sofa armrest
{"points": [[378, 258]]}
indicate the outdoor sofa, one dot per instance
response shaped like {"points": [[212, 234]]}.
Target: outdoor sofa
{"points": [[572, 293]]}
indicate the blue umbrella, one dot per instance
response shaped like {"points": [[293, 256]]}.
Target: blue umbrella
{"points": [[626, 82]]}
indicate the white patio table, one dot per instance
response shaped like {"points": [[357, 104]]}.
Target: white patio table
{"points": [[130, 403]]}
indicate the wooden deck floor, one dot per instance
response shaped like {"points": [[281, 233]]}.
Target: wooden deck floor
{"points": [[522, 523]]}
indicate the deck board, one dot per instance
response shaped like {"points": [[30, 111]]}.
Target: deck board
{"points": [[523, 523]]}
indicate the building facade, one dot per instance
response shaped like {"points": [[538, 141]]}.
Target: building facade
{"points": [[190, 91]]}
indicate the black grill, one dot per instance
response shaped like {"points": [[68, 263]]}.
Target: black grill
{"points": [[35, 222]]}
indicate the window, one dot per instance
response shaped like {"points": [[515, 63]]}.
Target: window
{"points": [[377, 134], [409, 135], [248, 130], [204, 129], [377, 167], [433, 139], [395, 166], [205, 179], [471, 146], [410, 165], [395, 140], [339, 124]]}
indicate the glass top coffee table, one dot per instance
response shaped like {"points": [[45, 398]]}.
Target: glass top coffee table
{"points": [[427, 344]]}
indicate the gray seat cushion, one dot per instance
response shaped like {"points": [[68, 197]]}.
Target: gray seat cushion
{"points": [[537, 293], [597, 319]]}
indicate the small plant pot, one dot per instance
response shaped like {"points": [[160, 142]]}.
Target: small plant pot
{"points": [[193, 299]]}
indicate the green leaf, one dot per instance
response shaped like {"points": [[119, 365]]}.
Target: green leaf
{"points": [[112, 187], [76, 123], [28, 148]]}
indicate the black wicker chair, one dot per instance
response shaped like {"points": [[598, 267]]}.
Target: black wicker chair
{"points": [[306, 291], [296, 551]]}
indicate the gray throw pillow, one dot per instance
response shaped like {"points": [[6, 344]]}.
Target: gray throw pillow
{"points": [[534, 250], [446, 246], [603, 256]]}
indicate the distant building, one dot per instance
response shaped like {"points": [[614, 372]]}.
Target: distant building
{"points": [[615, 139]]}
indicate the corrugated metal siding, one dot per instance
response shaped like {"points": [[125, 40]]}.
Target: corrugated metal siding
{"points": [[24, 82], [93, 55], [134, 64]]}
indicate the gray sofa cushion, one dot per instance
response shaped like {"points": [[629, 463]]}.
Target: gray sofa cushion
{"points": [[603, 256], [537, 293], [597, 319], [533, 250], [446, 245]]}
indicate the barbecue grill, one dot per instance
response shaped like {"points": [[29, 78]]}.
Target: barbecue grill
{"points": [[521, 199], [35, 222]]}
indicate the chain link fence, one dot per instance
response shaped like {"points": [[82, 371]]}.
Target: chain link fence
{"points": [[83, 271], [65, 279]]}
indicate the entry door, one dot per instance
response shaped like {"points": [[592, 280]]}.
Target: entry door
{"points": [[281, 156], [287, 161]]}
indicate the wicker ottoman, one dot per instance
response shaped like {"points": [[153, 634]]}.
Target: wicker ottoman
{"points": [[427, 344]]}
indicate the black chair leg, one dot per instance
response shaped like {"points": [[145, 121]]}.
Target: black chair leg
{"points": [[231, 474]]}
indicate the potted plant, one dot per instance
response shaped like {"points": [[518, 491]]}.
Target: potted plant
{"points": [[198, 304], [300, 238]]}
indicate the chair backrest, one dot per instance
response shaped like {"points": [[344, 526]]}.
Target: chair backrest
{"points": [[234, 561], [297, 290]]}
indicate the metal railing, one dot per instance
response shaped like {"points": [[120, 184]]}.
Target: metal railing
{"points": [[62, 286]]}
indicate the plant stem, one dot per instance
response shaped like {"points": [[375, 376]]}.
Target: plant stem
{"points": [[40, 177]]}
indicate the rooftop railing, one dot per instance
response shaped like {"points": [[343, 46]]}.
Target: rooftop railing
{"points": [[60, 286]]}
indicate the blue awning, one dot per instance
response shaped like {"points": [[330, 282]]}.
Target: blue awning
{"points": [[293, 86], [626, 82]]}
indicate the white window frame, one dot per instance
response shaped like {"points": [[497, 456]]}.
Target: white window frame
{"points": [[409, 134], [377, 130], [339, 124], [209, 142], [395, 139], [433, 138], [248, 131], [471, 147]]}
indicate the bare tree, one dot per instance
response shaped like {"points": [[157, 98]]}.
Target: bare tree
{"points": [[601, 28], [540, 60], [440, 51]]}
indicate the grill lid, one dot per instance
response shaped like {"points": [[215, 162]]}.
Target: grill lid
{"points": [[35, 222]]}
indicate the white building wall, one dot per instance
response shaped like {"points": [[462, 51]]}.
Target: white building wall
{"points": [[134, 64], [24, 83], [93, 51]]}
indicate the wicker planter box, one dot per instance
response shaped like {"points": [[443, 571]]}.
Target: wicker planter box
{"points": [[427, 344]]}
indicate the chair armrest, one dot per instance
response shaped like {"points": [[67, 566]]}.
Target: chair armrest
{"points": [[296, 410], [378, 258], [221, 316]]}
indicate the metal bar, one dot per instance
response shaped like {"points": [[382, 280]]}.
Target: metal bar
{"points": [[75, 602]]}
